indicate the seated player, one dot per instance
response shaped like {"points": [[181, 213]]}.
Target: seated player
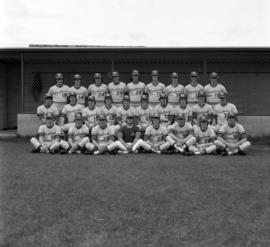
{"points": [[103, 137], [128, 135], [48, 137], [154, 89], [181, 135], [201, 109], [213, 89], [192, 89], [154, 137], [69, 111], [47, 107], [145, 111], [98, 90], [232, 137], [59, 92], [164, 110], [124, 111], [81, 92], [174, 90], [117, 89], [222, 110], [135, 89], [205, 138], [183, 108], [78, 138], [90, 113]]}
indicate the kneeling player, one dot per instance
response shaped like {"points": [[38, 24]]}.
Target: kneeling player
{"points": [[49, 137], [205, 136], [232, 137], [78, 140], [181, 135]]}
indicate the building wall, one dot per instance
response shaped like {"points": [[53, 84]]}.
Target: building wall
{"points": [[3, 96]]}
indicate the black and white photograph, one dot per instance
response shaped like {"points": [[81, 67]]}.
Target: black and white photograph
{"points": [[136, 123]]}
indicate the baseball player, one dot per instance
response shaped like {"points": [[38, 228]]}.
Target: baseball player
{"points": [[181, 135], [135, 89], [183, 108], [69, 111], [103, 137], [202, 109], [117, 89], [213, 89], [205, 138], [154, 89], [174, 90], [232, 137], [222, 110], [59, 92], [78, 138], [192, 89], [48, 137], [128, 135], [164, 110], [91, 112], [98, 90], [109, 110], [47, 107], [80, 91]]}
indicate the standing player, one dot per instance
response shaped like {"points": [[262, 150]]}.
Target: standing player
{"points": [[109, 110], [47, 107], [59, 92], [222, 110], [206, 138], [48, 137], [90, 113], [181, 135], [117, 89], [78, 138], [135, 89], [174, 90], [154, 89], [80, 91], [98, 90], [164, 110], [145, 111], [232, 137], [202, 109], [192, 89], [213, 89], [183, 108]]}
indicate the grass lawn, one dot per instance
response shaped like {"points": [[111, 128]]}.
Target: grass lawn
{"points": [[133, 200]]}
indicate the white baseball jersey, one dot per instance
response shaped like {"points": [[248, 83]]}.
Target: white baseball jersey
{"points": [[205, 111], [145, 114], [81, 93], [156, 135], [173, 93], [223, 111], [192, 92], [98, 92], [123, 113], [77, 134], [154, 91], [204, 137], [49, 134], [59, 94], [135, 91], [232, 134], [103, 135], [70, 110], [186, 111], [181, 132], [91, 116], [43, 110], [110, 113], [164, 112], [212, 93], [117, 91]]}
